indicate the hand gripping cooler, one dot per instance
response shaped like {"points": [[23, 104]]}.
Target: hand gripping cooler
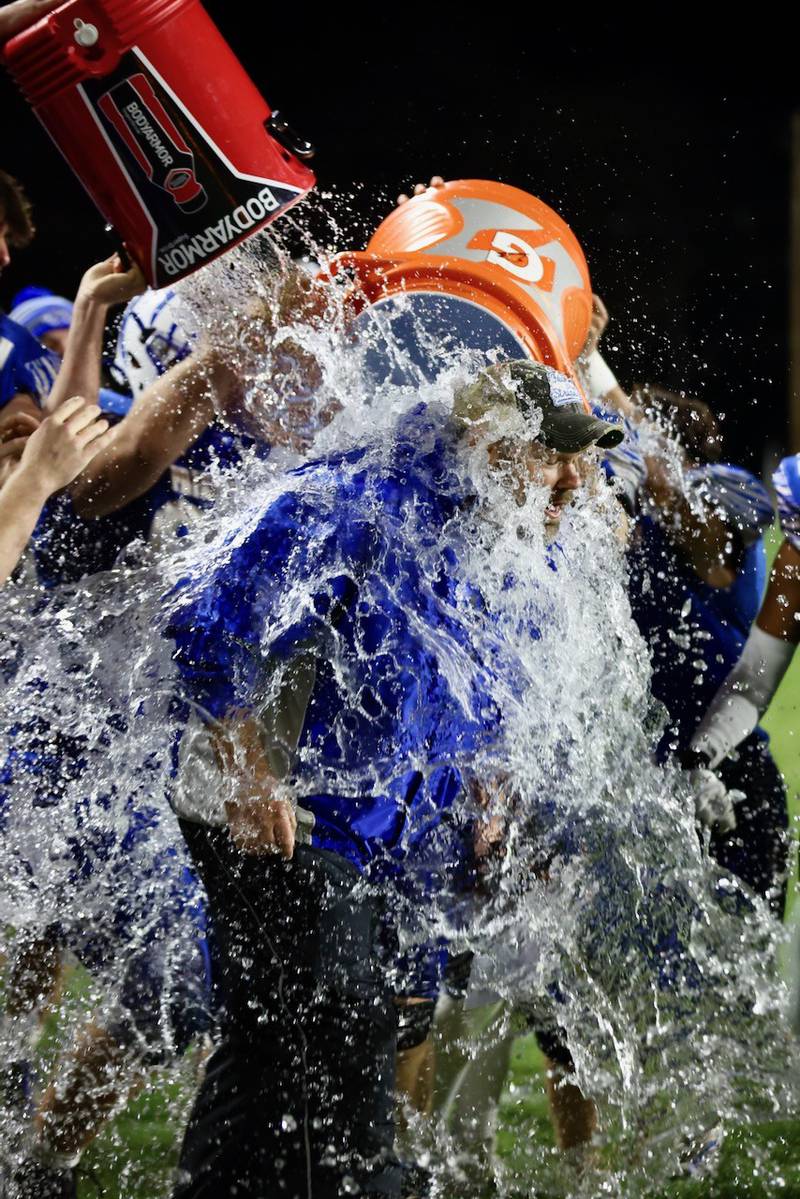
{"points": [[159, 121], [472, 265]]}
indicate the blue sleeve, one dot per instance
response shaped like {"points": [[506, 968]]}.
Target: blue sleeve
{"points": [[113, 403], [737, 495], [277, 590], [25, 365], [786, 481]]}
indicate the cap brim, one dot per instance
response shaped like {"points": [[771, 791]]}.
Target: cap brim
{"points": [[571, 432]]}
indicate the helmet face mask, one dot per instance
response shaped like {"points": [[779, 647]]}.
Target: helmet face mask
{"points": [[152, 338], [163, 351]]}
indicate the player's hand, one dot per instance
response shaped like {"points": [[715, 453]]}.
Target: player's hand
{"points": [[263, 825], [22, 13], [494, 805], [714, 804], [597, 327], [419, 188], [107, 283], [14, 433], [489, 839], [63, 445], [489, 836]]}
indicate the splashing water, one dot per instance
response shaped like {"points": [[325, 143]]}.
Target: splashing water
{"points": [[601, 913]]}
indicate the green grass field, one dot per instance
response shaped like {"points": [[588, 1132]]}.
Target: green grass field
{"points": [[135, 1156]]}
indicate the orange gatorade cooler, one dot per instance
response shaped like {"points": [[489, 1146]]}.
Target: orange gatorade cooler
{"points": [[159, 121], [471, 265]]}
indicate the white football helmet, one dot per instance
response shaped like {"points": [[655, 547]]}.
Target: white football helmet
{"points": [[155, 333]]}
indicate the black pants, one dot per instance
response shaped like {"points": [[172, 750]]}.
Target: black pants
{"points": [[757, 851], [297, 1100]]}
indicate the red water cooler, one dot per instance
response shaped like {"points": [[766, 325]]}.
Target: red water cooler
{"points": [[167, 133]]}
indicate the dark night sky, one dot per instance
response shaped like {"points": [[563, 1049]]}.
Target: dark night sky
{"points": [[667, 152]]}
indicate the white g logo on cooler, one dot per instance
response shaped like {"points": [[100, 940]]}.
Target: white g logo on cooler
{"points": [[531, 271]]}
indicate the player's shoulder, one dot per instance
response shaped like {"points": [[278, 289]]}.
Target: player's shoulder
{"points": [[16, 339], [786, 481], [737, 493]]}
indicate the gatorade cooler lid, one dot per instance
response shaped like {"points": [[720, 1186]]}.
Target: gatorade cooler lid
{"points": [[494, 245]]}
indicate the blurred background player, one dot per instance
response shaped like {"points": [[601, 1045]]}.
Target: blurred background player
{"points": [[46, 316], [698, 573], [746, 694]]}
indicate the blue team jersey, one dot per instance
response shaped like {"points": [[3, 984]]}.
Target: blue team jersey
{"points": [[696, 633], [350, 564], [786, 481], [25, 365], [67, 547], [42, 764]]}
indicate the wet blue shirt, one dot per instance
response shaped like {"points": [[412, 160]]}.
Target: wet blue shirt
{"points": [[786, 482], [359, 558], [696, 633], [25, 365], [67, 546]]}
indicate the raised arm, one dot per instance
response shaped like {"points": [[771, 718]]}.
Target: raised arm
{"points": [[176, 409], [596, 375], [160, 427], [749, 689], [104, 285], [53, 453], [706, 537]]}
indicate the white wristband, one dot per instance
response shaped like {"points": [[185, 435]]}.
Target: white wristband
{"points": [[730, 718], [600, 379], [744, 696]]}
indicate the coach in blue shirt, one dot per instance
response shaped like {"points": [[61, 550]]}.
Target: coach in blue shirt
{"points": [[319, 654]]}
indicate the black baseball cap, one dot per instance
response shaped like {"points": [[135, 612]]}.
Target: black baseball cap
{"points": [[528, 386]]}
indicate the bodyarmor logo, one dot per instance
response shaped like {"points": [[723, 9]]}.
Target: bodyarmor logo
{"points": [[222, 233], [191, 203], [134, 114], [156, 143]]}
